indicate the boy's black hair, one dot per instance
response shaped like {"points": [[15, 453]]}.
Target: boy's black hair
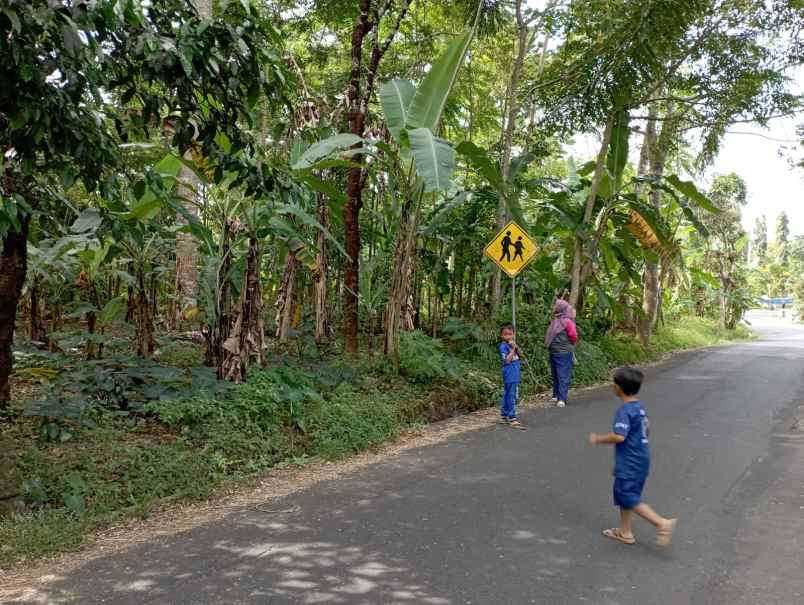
{"points": [[629, 379], [507, 327]]}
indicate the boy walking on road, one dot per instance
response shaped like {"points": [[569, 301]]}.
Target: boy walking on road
{"points": [[631, 460], [509, 355]]}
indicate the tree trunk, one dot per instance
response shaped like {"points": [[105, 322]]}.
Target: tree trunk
{"points": [[13, 266], [217, 333], [245, 345], [578, 253], [657, 152], [36, 333], [354, 184], [285, 300], [357, 102], [396, 309], [143, 318], [185, 287], [322, 327], [186, 283]]}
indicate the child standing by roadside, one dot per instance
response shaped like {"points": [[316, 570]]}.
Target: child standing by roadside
{"points": [[560, 340], [631, 460], [509, 355]]}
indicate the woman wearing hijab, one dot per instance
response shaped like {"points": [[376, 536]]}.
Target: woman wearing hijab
{"points": [[560, 341]]}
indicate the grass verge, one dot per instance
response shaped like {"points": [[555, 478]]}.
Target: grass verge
{"points": [[124, 465]]}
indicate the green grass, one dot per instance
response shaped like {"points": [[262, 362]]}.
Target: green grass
{"points": [[185, 450]]}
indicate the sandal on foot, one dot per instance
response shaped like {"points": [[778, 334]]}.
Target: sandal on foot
{"points": [[614, 534], [665, 534], [515, 424]]}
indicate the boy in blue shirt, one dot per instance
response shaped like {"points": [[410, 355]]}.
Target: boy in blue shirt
{"points": [[631, 460], [509, 355]]}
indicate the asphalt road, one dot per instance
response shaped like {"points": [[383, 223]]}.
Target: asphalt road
{"points": [[498, 516]]}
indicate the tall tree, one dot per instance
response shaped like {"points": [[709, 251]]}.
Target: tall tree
{"points": [[75, 71], [782, 238], [190, 190], [728, 242], [760, 243], [362, 77]]}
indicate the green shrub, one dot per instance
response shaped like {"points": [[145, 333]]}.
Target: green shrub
{"points": [[592, 364], [351, 421], [422, 358]]}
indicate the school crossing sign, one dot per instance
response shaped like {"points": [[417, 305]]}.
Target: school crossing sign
{"points": [[512, 249]]}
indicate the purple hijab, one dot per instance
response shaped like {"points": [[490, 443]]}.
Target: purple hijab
{"points": [[562, 313]]}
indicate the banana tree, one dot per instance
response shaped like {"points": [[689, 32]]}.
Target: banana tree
{"points": [[422, 161]]}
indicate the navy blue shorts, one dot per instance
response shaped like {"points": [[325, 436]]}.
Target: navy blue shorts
{"points": [[628, 492]]}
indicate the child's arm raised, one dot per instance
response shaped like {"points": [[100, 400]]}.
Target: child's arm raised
{"points": [[607, 439]]}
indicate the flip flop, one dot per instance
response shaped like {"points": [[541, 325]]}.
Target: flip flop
{"points": [[614, 534], [664, 535], [515, 424]]}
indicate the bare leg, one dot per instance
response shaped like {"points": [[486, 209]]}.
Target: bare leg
{"points": [[650, 515], [664, 527], [626, 531]]}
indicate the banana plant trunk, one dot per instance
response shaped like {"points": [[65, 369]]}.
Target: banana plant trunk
{"points": [[396, 309], [245, 345]]}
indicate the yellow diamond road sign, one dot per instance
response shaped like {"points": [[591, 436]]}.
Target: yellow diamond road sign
{"points": [[512, 249]]}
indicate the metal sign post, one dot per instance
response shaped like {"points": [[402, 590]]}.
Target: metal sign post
{"points": [[513, 302]]}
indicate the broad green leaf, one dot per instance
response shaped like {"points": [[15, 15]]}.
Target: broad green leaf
{"points": [[518, 165], [395, 97], [324, 187], [113, 311], [434, 159], [689, 189], [146, 208], [479, 160], [323, 149], [431, 96], [169, 165], [89, 220]]}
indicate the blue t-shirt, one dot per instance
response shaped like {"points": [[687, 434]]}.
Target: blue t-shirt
{"points": [[510, 371], [632, 456]]}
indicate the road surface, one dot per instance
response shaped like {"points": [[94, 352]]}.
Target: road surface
{"points": [[497, 516]]}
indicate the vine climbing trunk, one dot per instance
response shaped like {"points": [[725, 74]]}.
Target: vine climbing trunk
{"points": [[658, 147], [143, 317], [322, 327], [285, 301], [577, 278]]}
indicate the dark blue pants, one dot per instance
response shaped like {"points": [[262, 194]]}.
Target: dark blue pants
{"points": [[561, 368], [508, 403]]}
